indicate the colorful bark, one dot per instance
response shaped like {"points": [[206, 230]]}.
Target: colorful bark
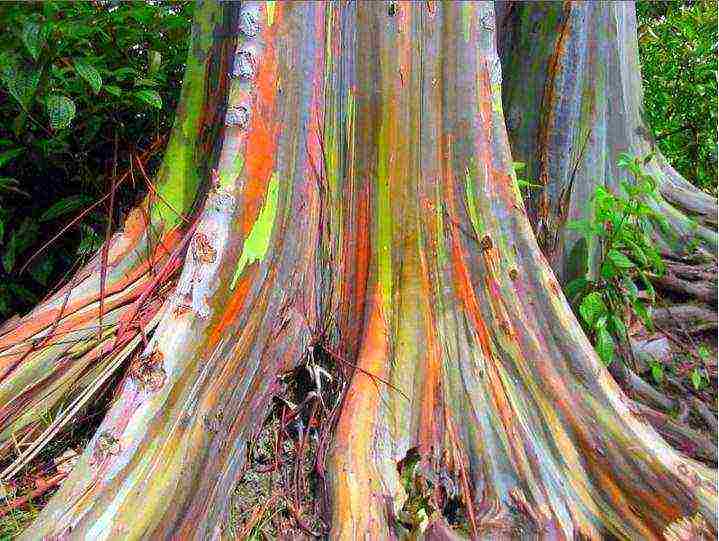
{"points": [[55, 353], [374, 213], [573, 103]]}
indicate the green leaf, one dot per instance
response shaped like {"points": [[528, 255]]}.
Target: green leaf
{"points": [[637, 252], [624, 160], [150, 97], [648, 287], [8, 155], [124, 73], [63, 206], [141, 81], [22, 85], [619, 328], [631, 287], [605, 345], [33, 39], [608, 271], [61, 111], [90, 74], [113, 90], [592, 308], [641, 310], [619, 260], [697, 379], [703, 352], [583, 225], [575, 287], [657, 371]]}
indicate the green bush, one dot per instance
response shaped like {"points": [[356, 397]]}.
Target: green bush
{"points": [[77, 81], [678, 53], [617, 230]]}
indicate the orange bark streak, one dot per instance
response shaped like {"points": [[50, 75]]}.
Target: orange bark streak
{"points": [[234, 305], [356, 429], [262, 137]]}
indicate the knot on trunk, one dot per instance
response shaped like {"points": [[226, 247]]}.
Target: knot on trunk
{"points": [[148, 372]]}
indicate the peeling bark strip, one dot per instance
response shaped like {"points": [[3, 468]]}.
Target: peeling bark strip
{"points": [[573, 100], [375, 215]]}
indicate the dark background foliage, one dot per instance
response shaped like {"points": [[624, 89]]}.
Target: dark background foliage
{"points": [[78, 80], [83, 85]]}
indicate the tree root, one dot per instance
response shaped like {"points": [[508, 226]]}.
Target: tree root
{"points": [[697, 281], [701, 291], [707, 415], [676, 430], [689, 317], [688, 440], [635, 386]]}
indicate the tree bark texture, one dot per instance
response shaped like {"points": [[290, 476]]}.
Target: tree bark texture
{"points": [[73, 341], [363, 201], [572, 94]]}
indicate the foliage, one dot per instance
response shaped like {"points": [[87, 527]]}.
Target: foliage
{"points": [[618, 228], [678, 53], [523, 184], [77, 81]]}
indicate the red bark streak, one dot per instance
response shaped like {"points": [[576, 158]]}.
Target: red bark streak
{"points": [[131, 281], [464, 288]]}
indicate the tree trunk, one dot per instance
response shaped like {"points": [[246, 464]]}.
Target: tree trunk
{"points": [[363, 209], [572, 94]]}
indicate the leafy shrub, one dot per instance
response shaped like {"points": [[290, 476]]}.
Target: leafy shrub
{"points": [[618, 229], [78, 80], [678, 53]]}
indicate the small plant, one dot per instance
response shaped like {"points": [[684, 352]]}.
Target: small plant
{"points": [[524, 184], [617, 232], [698, 375]]}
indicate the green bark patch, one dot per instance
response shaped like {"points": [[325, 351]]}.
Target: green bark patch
{"points": [[258, 241]]}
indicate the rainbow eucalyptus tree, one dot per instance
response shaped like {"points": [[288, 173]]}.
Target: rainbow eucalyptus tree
{"points": [[572, 95], [349, 211]]}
